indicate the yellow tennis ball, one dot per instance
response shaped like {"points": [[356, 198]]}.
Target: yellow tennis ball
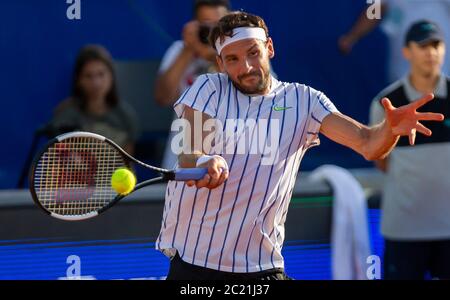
{"points": [[123, 181]]}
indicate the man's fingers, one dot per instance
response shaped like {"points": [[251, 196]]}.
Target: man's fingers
{"points": [[430, 116], [412, 136], [190, 182], [211, 182], [203, 182], [387, 104], [223, 176], [422, 101], [215, 175], [423, 130], [214, 171]]}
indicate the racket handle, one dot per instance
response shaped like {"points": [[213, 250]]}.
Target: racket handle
{"points": [[190, 174]]}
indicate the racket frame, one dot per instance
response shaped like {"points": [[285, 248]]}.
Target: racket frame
{"points": [[166, 175]]}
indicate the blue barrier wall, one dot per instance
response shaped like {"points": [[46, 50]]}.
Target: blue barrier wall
{"points": [[38, 44]]}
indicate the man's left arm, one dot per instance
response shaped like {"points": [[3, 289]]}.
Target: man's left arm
{"points": [[376, 142]]}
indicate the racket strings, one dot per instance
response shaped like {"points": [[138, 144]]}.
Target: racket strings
{"points": [[73, 176]]}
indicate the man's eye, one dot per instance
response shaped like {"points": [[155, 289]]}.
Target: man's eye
{"points": [[253, 53]]}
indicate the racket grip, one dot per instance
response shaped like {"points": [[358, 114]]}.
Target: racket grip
{"points": [[190, 174]]}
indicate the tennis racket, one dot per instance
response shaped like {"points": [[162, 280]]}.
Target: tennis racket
{"points": [[70, 179]]}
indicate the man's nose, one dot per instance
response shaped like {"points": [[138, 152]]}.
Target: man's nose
{"points": [[246, 66], [432, 50]]}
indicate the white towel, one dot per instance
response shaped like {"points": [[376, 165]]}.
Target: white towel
{"points": [[350, 246]]}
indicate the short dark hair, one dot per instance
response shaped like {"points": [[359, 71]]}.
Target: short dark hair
{"points": [[235, 20], [212, 3]]}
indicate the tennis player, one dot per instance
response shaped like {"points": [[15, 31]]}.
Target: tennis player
{"points": [[230, 224]]}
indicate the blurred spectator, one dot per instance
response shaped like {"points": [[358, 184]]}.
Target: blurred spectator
{"points": [[415, 222], [398, 15], [94, 105], [187, 59]]}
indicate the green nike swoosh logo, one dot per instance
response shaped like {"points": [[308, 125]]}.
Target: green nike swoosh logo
{"points": [[280, 108]]}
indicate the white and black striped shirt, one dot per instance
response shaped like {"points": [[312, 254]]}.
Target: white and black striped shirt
{"points": [[239, 226]]}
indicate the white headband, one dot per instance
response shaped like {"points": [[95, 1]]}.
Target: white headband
{"points": [[241, 33]]}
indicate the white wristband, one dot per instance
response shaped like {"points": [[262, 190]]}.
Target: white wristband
{"points": [[204, 158]]}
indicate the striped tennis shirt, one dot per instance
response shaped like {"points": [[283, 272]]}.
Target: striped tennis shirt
{"points": [[239, 226]]}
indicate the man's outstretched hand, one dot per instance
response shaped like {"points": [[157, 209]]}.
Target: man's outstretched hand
{"points": [[405, 120]]}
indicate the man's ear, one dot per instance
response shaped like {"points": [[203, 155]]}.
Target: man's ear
{"points": [[406, 51], [220, 63], [270, 47]]}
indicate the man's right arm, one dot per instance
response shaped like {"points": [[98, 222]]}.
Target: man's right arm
{"points": [[362, 27], [195, 148], [168, 82]]}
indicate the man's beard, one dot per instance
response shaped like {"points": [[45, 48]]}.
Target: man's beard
{"points": [[259, 88]]}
